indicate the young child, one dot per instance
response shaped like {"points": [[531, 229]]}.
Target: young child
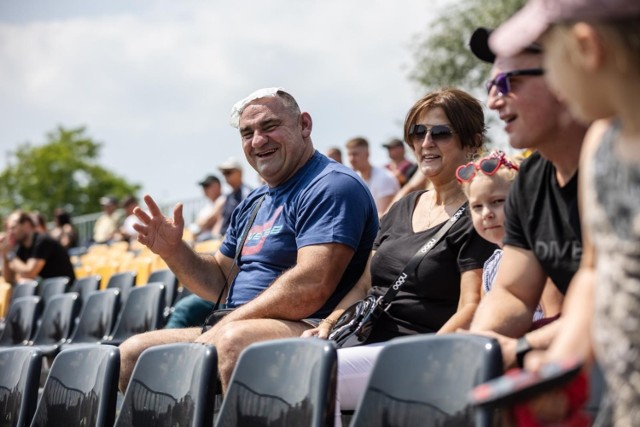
{"points": [[486, 184], [592, 60]]}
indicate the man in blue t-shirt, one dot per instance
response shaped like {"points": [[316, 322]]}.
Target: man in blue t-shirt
{"points": [[308, 244]]}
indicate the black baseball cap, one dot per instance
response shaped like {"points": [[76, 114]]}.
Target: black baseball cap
{"points": [[479, 45]]}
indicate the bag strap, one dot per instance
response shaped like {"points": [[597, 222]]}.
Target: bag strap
{"points": [[412, 265], [240, 245]]}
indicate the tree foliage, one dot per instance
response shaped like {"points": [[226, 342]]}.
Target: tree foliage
{"points": [[63, 172], [442, 56]]}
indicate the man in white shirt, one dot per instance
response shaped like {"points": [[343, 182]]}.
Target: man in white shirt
{"points": [[382, 183]]}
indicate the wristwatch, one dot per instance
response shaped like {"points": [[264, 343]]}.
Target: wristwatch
{"points": [[522, 348], [10, 256]]}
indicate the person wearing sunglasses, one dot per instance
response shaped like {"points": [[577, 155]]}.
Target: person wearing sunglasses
{"points": [[600, 82], [443, 129], [486, 183], [542, 228]]}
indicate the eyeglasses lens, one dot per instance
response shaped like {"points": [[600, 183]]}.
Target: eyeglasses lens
{"points": [[438, 132], [501, 82], [490, 166], [467, 172]]}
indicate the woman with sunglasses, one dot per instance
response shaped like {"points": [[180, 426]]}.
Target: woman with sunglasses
{"points": [[444, 129]]}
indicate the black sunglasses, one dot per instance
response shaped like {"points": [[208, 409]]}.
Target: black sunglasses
{"points": [[502, 83], [418, 133]]}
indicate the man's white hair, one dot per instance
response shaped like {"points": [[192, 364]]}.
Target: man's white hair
{"points": [[238, 107]]}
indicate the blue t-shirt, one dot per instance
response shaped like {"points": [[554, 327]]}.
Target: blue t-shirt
{"points": [[324, 202]]}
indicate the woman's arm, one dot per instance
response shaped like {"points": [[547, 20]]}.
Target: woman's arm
{"points": [[470, 285]]}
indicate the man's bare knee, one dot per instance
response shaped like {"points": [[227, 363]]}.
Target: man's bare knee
{"points": [[132, 348]]}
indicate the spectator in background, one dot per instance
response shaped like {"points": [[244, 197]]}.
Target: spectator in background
{"points": [[211, 211], [108, 223], [64, 231], [399, 166], [28, 254], [40, 222], [334, 153], [232, 172], [382, 184], [127, 232]]}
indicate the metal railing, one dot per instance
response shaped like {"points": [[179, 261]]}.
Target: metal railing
{"points": [[84, 223]]}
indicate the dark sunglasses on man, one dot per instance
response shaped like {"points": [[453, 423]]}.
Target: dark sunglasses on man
{"points": [[418, 133], [502, 80]]}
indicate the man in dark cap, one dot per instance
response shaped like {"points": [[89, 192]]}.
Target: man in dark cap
{"points": [[210, 213], [543, 238]]}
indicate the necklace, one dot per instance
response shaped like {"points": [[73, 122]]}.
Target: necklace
{"points": [[455, 202]]}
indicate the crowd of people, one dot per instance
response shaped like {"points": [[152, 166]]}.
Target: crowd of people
{"points": [[530, 252]]}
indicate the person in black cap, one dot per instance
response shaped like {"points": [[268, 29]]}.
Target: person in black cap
{"points": [[210, 212], [543, 235], [232, 171], [399, 166]]}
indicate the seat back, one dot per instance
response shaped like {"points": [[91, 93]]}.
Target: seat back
{"points": [[170, 282], [19, 379], [57, 321], [24, 289], [97, 317], [85, 286], [52, 286], [142, 312], [21, 321], [288, 382], [425, 380], [124, 281], [81, 388], [172, 385]]}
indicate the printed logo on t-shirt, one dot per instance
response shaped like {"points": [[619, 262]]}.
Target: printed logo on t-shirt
{"points": [[259, 233]]}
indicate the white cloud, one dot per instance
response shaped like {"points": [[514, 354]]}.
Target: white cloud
{"points": [[156, 83]]}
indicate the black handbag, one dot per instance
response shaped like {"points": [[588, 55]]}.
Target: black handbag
{"points": [[356, 323]]}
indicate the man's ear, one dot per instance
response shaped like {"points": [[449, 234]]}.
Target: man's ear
{"points": [[589, 45], [306, 124]]}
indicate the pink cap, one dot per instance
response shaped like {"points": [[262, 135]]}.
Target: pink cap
{"points": [[528, 24]]}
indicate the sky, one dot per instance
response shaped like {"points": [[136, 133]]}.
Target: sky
{"points": [[154, 80]]}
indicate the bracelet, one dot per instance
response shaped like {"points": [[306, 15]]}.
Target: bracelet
{"points": [[331, 322]]}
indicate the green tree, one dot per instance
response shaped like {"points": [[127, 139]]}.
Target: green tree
{"points": [[62, 172], [442, 56]]}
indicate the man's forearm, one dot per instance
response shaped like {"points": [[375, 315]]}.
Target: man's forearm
{"points": [[501, 312], [200, 274], [7, 273]]}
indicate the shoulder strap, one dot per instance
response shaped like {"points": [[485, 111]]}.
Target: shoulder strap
{"points": [[240, 245], [415, 260]]}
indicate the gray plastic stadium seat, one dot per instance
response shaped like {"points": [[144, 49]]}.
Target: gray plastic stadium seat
{"points": [[19, 379], [171, 385], [425, 380], [57, 323], [142, 312], [21, 321], [287, 382], [81, 388]]}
